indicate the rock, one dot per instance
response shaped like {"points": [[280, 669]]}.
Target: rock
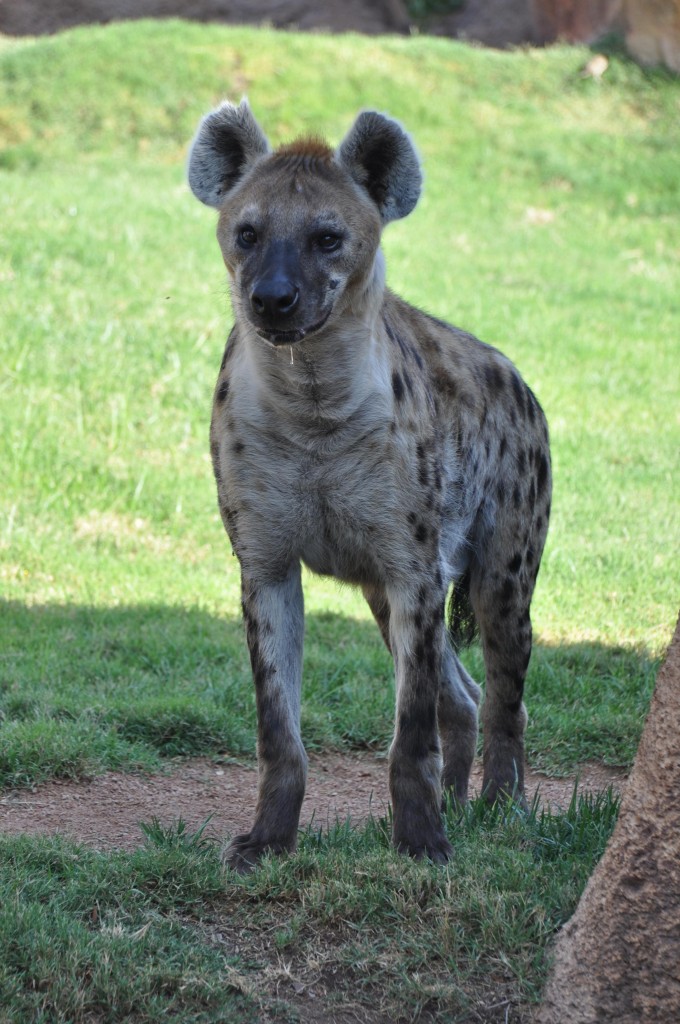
{"points": [[653, 32], [498, 23], [574, 21], [617, 961], [35, 17]]}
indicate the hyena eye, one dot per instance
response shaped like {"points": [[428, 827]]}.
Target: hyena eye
{"points": [[328, 241], [247, 236]]}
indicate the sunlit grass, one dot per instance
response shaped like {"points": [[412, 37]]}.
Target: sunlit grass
{"points": [[547, 227]]}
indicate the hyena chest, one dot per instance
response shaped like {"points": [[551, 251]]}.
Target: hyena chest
{"points": [[337, 507]]}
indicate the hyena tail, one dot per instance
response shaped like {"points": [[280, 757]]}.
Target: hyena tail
{"points": [[461, 622]]}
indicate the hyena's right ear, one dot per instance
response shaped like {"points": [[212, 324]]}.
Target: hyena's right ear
{"points": [[228, 140]]}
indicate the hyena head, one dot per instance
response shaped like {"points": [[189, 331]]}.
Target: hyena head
{"points": [[300, 227]]}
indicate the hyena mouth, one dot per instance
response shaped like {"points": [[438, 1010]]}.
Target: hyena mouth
{"points": [[277, 337]]}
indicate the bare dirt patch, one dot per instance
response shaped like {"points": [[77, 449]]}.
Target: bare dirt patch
{"points": [[105, 812]]}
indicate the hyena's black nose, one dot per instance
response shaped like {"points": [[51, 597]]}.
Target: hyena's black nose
{"points": [[274, 297]]}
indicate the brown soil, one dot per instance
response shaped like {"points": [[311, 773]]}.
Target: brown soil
{"points": [[105, 812]]}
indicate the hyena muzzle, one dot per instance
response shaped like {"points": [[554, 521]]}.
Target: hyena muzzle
{"points": [[374, 443]]}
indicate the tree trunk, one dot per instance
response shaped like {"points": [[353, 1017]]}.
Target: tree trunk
{"points": [[618, 958]]}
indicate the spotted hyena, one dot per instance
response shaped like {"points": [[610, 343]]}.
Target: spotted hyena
{"points": [[375, 443]]}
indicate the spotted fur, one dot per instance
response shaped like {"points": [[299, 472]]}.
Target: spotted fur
{"points": [[374, 443]]}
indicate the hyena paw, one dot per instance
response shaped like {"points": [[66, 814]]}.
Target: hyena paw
{"points": [[244, 852], [434, 846], [503, 791]]}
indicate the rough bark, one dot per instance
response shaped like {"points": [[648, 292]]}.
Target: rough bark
{"points": [[618, 958]]}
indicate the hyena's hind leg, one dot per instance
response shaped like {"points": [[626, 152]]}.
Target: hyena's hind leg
{"points": [[457, 718], [379, 605], [456, 709], [501, 592]]}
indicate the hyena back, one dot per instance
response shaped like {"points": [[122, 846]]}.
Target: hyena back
{"points": [[376, 444]]}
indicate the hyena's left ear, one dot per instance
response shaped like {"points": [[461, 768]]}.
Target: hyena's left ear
{"points": [[228, 140], [381, 158]]}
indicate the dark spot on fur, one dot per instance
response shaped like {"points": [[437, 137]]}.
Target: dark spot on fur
{"points": [[500, 491], [515, 563], [521, 461], [237, 447], [394, 338], [223, 390], [449, 386], [516, 496], [494, 377], [503, 447], [397, 386], [421, 533], [507, 591], [519, 390]]}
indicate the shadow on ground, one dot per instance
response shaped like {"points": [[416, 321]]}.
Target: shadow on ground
{"points": [[85, 689]]}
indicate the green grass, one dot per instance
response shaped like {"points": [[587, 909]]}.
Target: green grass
{"points": [[548, 227], [164, 933], [121, 598]]}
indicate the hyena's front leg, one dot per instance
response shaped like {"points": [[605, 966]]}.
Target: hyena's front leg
{"points": [[274, 618], [417, 640]]}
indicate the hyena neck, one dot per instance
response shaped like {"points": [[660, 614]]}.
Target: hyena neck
{"points": [[325, 379]]}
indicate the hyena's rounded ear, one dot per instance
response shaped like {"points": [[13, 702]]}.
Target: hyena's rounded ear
{"points": [[381, 158], [227, 141]]}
